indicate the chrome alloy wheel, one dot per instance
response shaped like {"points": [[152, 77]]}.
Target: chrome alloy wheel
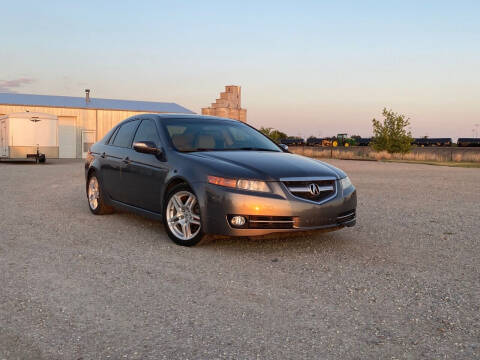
{"points": [[93, 192], [183, 215]]}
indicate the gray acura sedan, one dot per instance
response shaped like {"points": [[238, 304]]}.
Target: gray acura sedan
{"points": [[207, 175]]}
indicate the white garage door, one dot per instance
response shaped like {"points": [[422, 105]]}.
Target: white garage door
{"points": [[67, 145]]}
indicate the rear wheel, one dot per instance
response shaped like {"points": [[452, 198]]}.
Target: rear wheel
{"points": [[181, 216], [96, 200]]}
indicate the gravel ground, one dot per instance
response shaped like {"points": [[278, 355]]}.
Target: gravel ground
{"points": [[402, 284]]}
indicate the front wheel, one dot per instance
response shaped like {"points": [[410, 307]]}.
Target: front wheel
{"points": [[96, 200], [181, 216]]}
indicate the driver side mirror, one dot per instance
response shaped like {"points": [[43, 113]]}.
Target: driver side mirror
{"points": [[284, 147], [147, 147]]}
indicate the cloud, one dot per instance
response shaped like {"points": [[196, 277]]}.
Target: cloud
{"points": [[11, 85]]}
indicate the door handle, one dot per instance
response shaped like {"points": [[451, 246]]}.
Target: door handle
{"points": [[126, 160], [102, 155]]}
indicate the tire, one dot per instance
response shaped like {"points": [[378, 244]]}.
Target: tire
{"points": [[181, 216], [95, 197], [42, 159]]}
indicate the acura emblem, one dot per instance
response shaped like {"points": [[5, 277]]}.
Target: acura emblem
{"points": [[314, 189]]}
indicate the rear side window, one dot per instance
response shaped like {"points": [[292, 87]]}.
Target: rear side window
{"points": [[147, 131], [125, 134], [110, 141]]}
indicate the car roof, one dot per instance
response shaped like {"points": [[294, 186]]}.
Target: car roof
{"points": [[161, 117], [191, 116], [180, 116]]}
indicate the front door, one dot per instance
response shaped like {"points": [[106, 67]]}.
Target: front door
{"points": [[146, 178], [3, 139]]}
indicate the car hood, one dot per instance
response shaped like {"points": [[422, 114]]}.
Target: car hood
{"points": [[267, 165]]}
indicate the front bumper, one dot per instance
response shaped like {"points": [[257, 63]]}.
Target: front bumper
{"points": [[219, 203]]}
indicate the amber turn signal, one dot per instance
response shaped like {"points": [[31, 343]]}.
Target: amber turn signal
{"points": [[222, 181]]}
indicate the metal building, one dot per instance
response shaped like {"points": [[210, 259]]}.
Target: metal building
{"points": [[82, 120]]}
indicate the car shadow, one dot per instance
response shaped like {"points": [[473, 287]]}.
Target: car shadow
{"points": [[271, 244], [19, 162], [48, 162], [279, 242]]}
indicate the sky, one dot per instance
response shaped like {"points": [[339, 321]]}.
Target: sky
{"points": [[306, 67]]}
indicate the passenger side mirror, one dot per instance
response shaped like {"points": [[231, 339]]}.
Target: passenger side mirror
{"points": [[284, 147], [147, 147]]}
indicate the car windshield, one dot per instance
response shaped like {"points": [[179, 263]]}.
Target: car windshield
{"points": [[204, 134]]}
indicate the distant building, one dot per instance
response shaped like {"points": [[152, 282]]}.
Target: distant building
{"points": [[82, 120], [229, 105]]}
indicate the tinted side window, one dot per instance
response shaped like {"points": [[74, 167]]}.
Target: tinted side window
{"points": [[147, 131], [125, 134]]}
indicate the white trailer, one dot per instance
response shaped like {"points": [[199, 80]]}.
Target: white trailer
{"points": [[28, 135]]}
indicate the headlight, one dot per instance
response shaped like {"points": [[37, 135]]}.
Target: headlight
{"points": [[244, 184], [345, 182], [252, 185]]}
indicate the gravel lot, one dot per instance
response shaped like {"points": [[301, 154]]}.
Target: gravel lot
{"points": [[402, 284]]}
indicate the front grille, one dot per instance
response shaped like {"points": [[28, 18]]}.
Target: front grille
{"points": [[312, 189], [346, 217]]}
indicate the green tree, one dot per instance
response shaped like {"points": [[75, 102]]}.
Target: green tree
{"points": [[273, 134], [392, 134]]}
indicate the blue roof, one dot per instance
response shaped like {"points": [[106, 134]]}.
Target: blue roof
{"points": [[95, 103]]}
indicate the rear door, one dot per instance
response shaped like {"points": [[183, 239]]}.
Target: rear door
{"points": [[116, 163], [147, 176]]}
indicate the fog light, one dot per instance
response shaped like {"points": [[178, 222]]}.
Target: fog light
{"points": [[238, 220]]}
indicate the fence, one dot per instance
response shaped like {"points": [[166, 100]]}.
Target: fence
{"points": [[449, 154]]}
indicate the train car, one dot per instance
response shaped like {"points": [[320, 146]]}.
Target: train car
{"points": [[468, 142], [293, 141], [363, 141], [313, 141], [423, 142]]}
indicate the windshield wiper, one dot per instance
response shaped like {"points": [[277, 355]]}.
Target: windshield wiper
{"points": [[255, 149], [234, 149], [204, 149]]}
